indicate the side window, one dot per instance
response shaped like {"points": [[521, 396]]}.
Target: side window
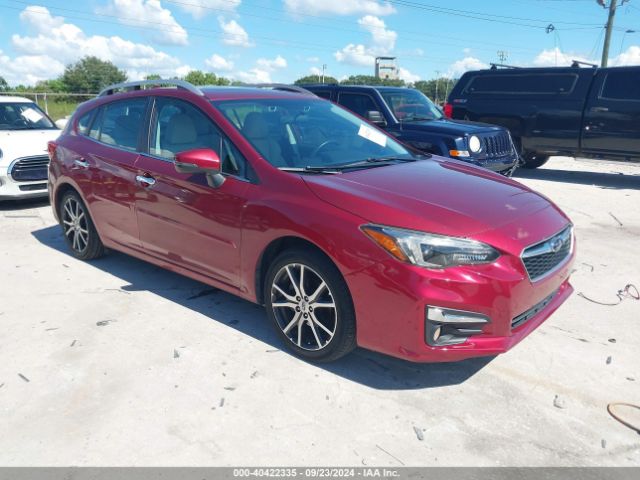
{"points": [[543, 83], [83, 123], [179, 126], [323, 94], [357, 103], [118, 123], [622, 85]]}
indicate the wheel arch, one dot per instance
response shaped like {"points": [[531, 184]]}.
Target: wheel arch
{"points": [[272, 250]]}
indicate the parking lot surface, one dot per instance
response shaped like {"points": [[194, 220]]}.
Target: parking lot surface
{"points": [[117, 362]]}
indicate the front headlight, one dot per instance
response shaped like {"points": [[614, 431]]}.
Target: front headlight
{"points": [[428, 249], [474, 144]]}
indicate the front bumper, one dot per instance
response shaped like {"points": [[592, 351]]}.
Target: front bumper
{"points": [[496, 164], [391, 300], [10, 189]]}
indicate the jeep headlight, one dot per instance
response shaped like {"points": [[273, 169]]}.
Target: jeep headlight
{"points": [[474, 144], [428, 249]]}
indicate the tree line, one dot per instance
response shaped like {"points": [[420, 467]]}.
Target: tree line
{"points": [[90, 75]]}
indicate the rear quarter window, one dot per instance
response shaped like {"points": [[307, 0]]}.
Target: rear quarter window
{"points": [[522, 84], [621, 85]]}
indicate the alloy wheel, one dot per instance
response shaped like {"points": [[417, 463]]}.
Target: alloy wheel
{"points": [[74, 223], [304, 307]]}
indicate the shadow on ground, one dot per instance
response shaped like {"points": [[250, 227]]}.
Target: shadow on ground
{"points": [[361, 366], [11, 205], [602, 180]]}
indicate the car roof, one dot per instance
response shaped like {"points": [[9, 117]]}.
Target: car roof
{"points": [[239, 93], [329, 86], [11, 99]]}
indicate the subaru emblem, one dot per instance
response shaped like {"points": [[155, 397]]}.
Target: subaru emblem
{"points": [[556, 245]]}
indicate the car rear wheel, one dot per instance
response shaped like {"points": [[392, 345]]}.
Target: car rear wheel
{"points": [[309, 303], [79, 230], [533, 160]]}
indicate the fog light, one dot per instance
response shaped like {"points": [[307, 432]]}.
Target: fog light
{"points": [[445, 326]]}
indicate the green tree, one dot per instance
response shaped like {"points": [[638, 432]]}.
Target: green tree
{"points": [[90, 75], [371, 80], [428, 87], [153, 76], [3, 84], [315, 79], [198, 77]]}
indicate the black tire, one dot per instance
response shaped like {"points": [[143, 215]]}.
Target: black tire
{"points": [[532, 160], [78, 229], [309, 337]]}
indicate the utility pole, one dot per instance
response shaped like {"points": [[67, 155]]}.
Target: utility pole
{"points": [[324, 67], [608, 29], [502, 56], [437, 81]]}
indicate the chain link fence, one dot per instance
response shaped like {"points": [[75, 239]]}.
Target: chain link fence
{"points": [[56, 105]]}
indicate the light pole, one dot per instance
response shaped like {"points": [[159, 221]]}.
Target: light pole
{"points": [[437, 81]]}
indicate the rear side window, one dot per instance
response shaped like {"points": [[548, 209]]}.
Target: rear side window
{"points": [[358, 103], [323, 94], [83, 123], [522, 84], [622, 85], [119, 123]]}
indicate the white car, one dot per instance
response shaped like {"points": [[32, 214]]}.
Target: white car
{"points": [[24, 161]]}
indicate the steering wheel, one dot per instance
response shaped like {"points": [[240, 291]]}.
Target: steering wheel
{"points": [[324, 144]]}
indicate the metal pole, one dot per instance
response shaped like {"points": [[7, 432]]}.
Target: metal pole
{"points": [[437, 81], [46, 105], [324, 67], [607, 35]]}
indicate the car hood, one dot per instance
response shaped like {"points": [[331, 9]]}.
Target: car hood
{"points": [[24, 143], [435, 195], [450, 127]]}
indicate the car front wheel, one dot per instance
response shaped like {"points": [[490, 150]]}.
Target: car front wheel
{"points": [[309, 303]]}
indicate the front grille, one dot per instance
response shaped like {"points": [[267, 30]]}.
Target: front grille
{"points": [[544, 257], [497, 145], [30, 169], [32, 187], [533, 311]]}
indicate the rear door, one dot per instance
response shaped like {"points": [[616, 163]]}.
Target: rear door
{"points": [[111, 153], [182, 219], [612, 116]]}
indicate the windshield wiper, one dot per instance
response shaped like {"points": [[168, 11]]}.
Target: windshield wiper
{"points": [[315, 170], [417, 118]]}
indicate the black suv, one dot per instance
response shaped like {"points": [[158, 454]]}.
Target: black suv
{"points": [[573, 111], [412, 118]]}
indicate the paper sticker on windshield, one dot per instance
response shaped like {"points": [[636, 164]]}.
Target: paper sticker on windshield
{"points": [[373, 135], [32, 115]]}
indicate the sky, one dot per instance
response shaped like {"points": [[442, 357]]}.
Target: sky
{"points": [[281, 40]]}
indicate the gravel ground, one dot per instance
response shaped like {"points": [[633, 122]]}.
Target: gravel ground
{"points": [[117, 362]]}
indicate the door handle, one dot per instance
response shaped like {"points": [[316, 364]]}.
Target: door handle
{"points": [[81, 162], [145, 181], [599, 109]]}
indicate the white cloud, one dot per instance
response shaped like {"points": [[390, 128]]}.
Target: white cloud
{"points": [[254, 75], [407, 76], [630, 57], [467, 63], [52, 43], [556, 57], [218, 63], [234, 34], [339, 7], [201, 8], [315, 71], [382, 42], [145, 12], [271, 65]]}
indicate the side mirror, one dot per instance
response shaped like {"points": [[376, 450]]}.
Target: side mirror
{"points": [[201, 160], [376, 118]]}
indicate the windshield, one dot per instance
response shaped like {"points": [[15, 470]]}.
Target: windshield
{"points": [[410, 105], [306, 132], [23, 116]]}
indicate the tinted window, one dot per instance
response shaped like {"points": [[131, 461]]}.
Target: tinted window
{"points": [[522, 83], [323, 94], [410, 105], [622, 85], [83, 123], [179, 126], [358, 103], [118, 123]]}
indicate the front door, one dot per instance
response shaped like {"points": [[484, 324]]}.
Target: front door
{"points": [[182, 219], [612, 116]]}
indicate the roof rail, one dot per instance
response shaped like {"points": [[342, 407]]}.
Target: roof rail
{"points": [[577, 63], [495, 66], [283, 87], [139, 85]]}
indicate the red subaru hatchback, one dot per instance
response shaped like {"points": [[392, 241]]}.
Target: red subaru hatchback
{"points": [[346, 236]]}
